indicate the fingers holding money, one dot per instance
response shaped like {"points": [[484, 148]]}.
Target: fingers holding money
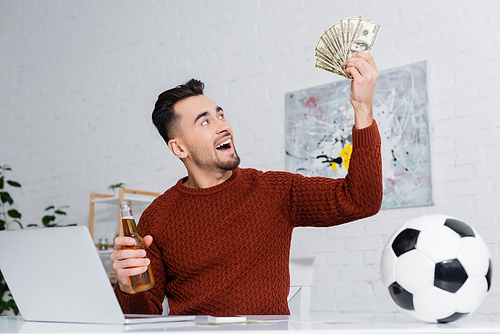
{"points": [[361, 66]]}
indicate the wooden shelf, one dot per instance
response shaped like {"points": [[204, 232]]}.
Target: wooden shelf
{"points": [[115, 199], [147, 197], [107, 251], [133, 195]]}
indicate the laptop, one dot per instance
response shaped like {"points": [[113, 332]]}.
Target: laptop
{"points": [[56, 275]]}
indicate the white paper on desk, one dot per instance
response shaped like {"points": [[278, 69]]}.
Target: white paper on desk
{"points": [[225, 320]]}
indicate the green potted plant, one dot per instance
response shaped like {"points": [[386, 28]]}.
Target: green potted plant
{"points": [[6, 199], [113, 187]]}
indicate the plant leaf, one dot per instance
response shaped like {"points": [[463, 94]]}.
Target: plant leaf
{"points": [[3, 306], [17, 221], [14, 183], [59, 212], [2, 225], [118, 185], [32, 225], [5, 197], [13, 213], [12, 304], [47, 219], [49, 207], [1, 182], [51, 225]]}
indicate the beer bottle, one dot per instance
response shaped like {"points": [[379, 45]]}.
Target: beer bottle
{"points": [[144, 281]]}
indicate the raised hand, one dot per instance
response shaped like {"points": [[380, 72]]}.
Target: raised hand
{"points": [[361, 67]]}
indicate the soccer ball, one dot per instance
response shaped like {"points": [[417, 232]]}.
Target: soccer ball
{"points": [[436, 268]]}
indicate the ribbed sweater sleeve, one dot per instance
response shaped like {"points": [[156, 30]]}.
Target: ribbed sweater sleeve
{"points": [[320, 201]]}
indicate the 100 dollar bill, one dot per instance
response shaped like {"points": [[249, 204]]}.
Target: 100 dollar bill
{"points": [[341, 40]]}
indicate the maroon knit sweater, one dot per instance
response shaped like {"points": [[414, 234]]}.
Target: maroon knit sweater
{"points": [[224, 250]]}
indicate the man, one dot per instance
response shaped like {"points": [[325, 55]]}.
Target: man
{"points": [[219, 240]]}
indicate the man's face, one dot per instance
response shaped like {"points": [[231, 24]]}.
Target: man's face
{"points": [[206, 134]]}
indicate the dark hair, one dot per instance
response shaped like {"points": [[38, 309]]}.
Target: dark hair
{"points": [[164, 116]]}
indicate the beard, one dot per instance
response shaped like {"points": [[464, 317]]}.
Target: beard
{"points": [[231, 164], [203, 159]]}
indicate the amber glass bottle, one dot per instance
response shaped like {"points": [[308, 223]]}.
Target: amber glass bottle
{"points": [[144, 281]]}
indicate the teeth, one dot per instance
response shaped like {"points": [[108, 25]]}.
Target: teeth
{"points": [[223, 143]]}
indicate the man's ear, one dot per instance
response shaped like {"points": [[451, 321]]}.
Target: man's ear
{"points": [[177, 148]]}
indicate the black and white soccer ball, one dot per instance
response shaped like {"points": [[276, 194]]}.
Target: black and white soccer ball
{"points": [[437, 268]]}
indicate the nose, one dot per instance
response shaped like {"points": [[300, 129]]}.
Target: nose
{"points": [[223, 126]]}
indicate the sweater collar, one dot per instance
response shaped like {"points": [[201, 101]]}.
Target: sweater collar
{"points": [[205, 191]]}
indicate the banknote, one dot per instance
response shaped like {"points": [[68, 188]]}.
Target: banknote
{"points": [[341, 40]]}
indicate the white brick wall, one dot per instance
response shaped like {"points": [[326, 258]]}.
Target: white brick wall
{"points": [[78, 80]]}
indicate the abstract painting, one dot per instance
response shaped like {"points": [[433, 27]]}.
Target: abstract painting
{"points": [[318, 126]]}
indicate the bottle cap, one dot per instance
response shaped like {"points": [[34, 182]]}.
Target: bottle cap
{"points": [[125, 203]]}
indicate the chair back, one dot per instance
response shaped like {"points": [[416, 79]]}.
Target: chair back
{"points": [[301, 279]]}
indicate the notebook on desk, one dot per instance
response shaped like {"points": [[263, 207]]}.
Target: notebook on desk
{"points": [[55, 274]]}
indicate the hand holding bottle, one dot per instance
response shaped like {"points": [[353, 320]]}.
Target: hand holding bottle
{"points": [[129, 255], [129, 262]]}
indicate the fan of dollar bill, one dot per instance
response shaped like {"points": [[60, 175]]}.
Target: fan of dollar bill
{"points": [[339, 42]]}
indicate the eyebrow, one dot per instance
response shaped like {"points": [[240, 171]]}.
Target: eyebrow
{"points": [[206, 113]]}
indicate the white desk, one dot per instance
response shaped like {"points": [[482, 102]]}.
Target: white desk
{"points": [[270, 325]]}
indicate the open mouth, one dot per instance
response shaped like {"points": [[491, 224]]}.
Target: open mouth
{"points": [[225, 145]]}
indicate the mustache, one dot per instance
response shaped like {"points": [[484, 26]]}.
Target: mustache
{"points": [[224, 135]]}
